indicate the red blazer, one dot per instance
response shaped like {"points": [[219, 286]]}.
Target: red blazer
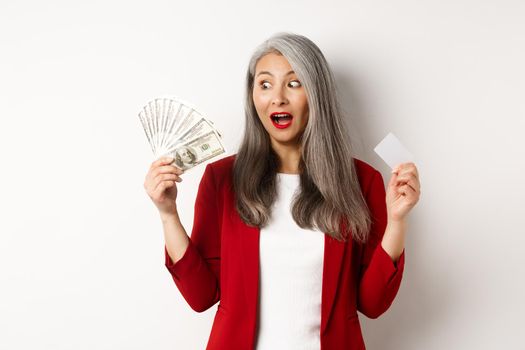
{"points": [[221, 264]]}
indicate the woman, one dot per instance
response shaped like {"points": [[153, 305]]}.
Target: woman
{"points": [[291, 235]]}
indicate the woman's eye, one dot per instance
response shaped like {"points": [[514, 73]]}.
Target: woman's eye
{"points": [[296, 82], [265, 84]]}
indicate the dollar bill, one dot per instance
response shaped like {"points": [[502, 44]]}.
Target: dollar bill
{"points": [[196, 151], [202, 127], [173, 127]]}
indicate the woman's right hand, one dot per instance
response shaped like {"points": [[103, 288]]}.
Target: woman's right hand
{"points": [[160, 185]]}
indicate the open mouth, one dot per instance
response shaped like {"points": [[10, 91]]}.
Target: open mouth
{"points": [[281, 120]]}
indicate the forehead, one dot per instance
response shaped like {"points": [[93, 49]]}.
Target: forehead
{"points": [[273, 63]]}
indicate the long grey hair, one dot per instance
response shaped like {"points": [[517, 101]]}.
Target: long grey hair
{"points": [[329, 187]]}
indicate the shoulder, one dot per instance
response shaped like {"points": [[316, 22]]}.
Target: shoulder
{"points": [[366, 174], [363, 168], [222, 165], [219, 170]]}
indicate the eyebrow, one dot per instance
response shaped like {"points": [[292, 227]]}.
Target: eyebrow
{"points": [[266, 72]]}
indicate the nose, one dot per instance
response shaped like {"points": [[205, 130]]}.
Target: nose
{"points": [[279, 97]]}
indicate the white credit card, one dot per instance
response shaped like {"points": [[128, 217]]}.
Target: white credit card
{"points": [[393, 152]]}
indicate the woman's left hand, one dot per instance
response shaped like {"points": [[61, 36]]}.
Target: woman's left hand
{"points": [[402, 192]]}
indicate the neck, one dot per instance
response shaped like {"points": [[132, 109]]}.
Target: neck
{"points": [[289, 157]]}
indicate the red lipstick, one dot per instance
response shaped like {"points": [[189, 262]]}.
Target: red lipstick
{"points": [[281, 120]]}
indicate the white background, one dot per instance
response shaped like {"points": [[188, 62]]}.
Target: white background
{"points": [[81, 246]]}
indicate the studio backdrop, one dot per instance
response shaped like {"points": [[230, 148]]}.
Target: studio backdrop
{"points": [[81, 244]]}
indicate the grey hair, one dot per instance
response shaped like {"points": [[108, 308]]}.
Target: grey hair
{"points": [[330, 192]]}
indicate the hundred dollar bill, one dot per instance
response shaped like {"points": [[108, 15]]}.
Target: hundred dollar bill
{"points": [[177, 128], [149, 111], [190, 118], [147, 129], [201, 128], [196, 151]]}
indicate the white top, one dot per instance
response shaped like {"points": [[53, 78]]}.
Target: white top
{"points": [[291, 271]]}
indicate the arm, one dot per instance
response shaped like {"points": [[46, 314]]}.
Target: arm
{"points": [[403, 191], [196, 272], [380, 276], [175, 235], [393, 241]]}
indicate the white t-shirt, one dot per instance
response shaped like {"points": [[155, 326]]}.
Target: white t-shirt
{"points": [[291, 271]]}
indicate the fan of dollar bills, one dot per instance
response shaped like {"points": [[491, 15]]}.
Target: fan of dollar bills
{"points": [[175, 129]]}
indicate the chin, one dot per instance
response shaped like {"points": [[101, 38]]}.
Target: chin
{"points": [[286, 140]]}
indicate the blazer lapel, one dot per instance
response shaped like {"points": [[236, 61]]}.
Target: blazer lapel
{"points": [[333, 259], [249, 237]]}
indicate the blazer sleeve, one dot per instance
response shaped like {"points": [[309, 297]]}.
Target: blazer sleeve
{"points": [[380, 277], [197, 273]]}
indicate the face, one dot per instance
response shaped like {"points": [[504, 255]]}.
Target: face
{"points": [[278, 90], [185, 156]]}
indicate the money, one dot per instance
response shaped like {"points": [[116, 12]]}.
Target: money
{"points": [[176, 129], [197, 151]]}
